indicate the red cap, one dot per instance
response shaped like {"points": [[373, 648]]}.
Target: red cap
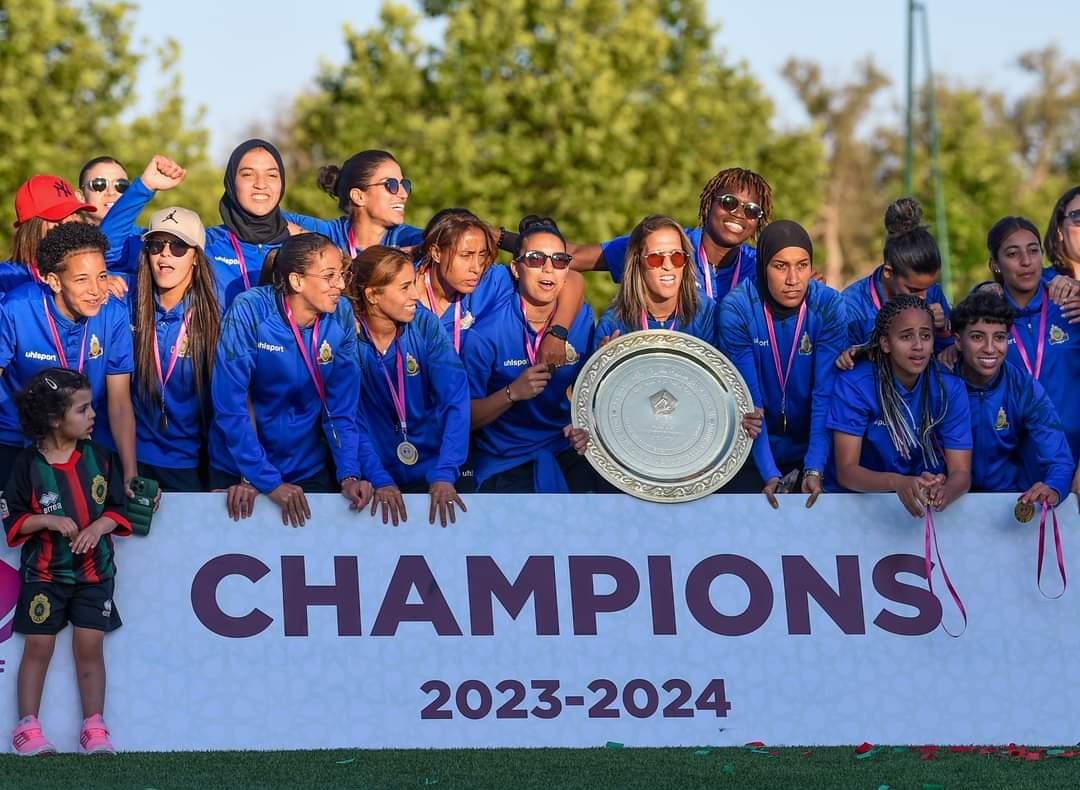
{"points": [[47, 197]]}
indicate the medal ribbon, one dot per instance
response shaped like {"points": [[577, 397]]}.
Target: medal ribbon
{"points": [[930, 536], [1048, 510], [163, 380], [533, 348], [351, 238], [1040, 347], [707, 268], [783, 376], [873, 293], [396, 395], [240, 259], [313, 371], [61, 355], [457, 310], [674, 320]]}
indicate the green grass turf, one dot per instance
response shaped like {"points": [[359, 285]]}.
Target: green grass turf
{"points": [[540, 768]]}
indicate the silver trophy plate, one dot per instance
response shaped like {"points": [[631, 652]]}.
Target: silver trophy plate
{"points": [[664, 413]]}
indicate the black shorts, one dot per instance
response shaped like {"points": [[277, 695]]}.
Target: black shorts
{"points": [[46, 607]]}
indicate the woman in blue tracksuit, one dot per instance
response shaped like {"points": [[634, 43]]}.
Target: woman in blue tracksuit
{"points": [[523, 439], [1041, 341], [252, 221], [414, 396], [1019, 445], [900, 422], [658, 290], [783, 332], [912, 265], [735, 206], [285, 387], [371, 193], [176, 317], [70, 322]]}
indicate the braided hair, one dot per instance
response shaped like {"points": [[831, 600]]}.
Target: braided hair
{"points": [[906, 432], [736, 179]]}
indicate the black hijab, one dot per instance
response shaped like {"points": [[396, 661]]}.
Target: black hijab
{"points": [[248, 227], [777, 236]]}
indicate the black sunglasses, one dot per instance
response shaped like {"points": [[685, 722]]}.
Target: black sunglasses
{"points": [[535, 259], [730, 203], [177, 248], [100, 184], [392, 185]]}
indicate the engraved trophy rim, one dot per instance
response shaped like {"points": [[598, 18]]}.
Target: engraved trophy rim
{"points": [[717, 371]]}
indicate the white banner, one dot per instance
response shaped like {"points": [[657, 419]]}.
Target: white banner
{"points": [[576, 620]]}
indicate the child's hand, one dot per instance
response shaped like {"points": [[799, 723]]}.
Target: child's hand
{"points": [[62, 524], [86, 540]]}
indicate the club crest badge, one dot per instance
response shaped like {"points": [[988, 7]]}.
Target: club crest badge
{"points": [[412, 367], [95, 347], [40, 609], [326, 354], [98, 489], [806, 348], [1002, 421], [1057, 335]]}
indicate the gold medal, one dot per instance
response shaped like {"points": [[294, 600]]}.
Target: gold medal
{"points": [[407, 453], [1024, 512]]}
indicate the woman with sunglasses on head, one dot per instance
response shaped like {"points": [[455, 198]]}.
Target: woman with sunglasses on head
{"points": [[1043, 343], [735, 205], [899, 421], [285, 386], [104, 184], [657, 291], [414, 396], [176, 317], [68, 321], [41, 203], [783, 332], [523, 439]]}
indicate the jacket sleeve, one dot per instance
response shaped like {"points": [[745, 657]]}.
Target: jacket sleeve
{"points": [[1043, 428], [327, 227], [234, 365], [446, 376], [737, 343], [830, 342], [119, 225]]}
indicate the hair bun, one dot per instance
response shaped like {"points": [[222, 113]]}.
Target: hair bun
{"points": [[328, 179], [903, 216], [532, 223]]}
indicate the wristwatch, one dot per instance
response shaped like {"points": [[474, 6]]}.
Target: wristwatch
{"points": [[558, 331]]}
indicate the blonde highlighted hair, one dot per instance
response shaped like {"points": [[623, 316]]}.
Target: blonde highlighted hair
{"points": [[631, 298]]}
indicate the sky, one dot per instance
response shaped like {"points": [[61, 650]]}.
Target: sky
{"points": [[244, 59]]}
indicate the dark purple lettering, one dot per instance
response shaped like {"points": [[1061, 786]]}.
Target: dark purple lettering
{"points": [[757, 582], [844, 604], [204, 596], [297, 595], [536, 580], [586, 603], [662, 596], [889, 586], [412, 571]]}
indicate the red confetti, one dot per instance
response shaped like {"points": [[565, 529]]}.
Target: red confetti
{"points": [[756, 744], [961, 749], [807, 754], [863, 748], [927, 756], [1031, 756]]}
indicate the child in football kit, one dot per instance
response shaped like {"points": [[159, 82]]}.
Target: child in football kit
{"points": [[64, 499]]}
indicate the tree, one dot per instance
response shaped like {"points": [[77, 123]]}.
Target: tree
{"points": [[849, 218], [67, 77], [595, 112]]}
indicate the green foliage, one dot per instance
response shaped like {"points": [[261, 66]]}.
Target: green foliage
{"points": [[594, 112], [67, 80]]}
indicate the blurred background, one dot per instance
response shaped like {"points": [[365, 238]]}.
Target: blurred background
{"points": [[594, 111]]}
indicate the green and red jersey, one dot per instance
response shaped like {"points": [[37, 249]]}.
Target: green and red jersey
{"points": [[86, 487]]}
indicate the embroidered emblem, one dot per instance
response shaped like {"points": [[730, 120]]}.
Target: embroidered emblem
{"points": [[805, 346], [40, 608], [1002, 421], [467, 320], [326, 354], [412, 367], [98, 489], [95, 347], [1057, 335]]}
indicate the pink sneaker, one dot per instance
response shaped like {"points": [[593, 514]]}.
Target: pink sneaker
{"points": [[94, 738], [27, 739]]}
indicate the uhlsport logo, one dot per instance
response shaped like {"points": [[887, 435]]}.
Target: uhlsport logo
{"points": [[9, 597]]}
